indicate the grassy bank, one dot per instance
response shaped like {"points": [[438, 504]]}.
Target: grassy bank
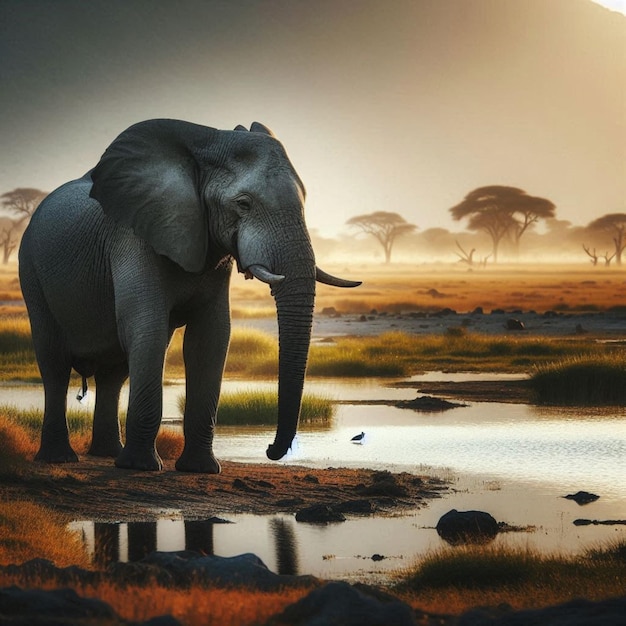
{"points": [[254, 354], [460, 578], [593, 380]]}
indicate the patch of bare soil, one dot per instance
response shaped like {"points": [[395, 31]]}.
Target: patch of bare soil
{"points": [[96, 489], [514, 391]]}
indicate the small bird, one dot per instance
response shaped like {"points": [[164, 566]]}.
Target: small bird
{"points": [[358, 438]]}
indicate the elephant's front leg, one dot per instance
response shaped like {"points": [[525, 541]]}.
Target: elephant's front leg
{"points": [[143, 330], [205, 348], [145, 404]]}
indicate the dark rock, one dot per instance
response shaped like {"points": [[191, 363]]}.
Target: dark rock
{"points": [[575, 613], [597, 522], [320, 514], [139, 573], [582, 497], [218, 520], [46, 570], [378, 557], [341, 603], [457, 527], [289, 502], [385, 488], [162, 620], [245, 570], [331, 311], [434, 293], [497, 311], [309, 478], [265, 484], [478, 311], [427, 404], [382, 475], [361, 506], [515, 324], [56, 607], [242, 486], [362, 318]]}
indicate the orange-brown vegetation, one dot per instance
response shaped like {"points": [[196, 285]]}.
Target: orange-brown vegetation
{"points": [[195, 606], [402, 287], [198, 606]]}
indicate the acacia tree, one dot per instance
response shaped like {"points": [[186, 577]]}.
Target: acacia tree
{"points": [[22, 202], [385, 227], [615, 225], [502, 211]]}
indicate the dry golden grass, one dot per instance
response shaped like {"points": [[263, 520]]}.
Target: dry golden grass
{"points": [[198, 606], [454, 580], [30, 531], [17, 445], [170, 443], [539, 288], [402, 287]]}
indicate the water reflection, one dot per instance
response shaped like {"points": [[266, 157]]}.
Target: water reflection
{"points": [[106, 543], [344, 551], [111, 542], [286, 547], [199, 536]]}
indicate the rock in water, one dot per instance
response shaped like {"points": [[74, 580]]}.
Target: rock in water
{"points": [[458, 527]]}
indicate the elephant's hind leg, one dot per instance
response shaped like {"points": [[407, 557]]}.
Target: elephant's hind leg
{"points": [[106, 438], [54, 363], [55, 442]]}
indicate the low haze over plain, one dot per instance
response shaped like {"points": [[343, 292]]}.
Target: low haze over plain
{"points": [[400, 106]]}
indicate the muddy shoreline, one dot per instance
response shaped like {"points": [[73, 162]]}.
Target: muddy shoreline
{"points": [[514, 391], [95, 489]]}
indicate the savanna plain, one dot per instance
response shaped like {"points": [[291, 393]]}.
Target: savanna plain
{"points": [[566, 349]]}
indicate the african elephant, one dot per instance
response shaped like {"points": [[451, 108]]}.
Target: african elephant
{"points": [[112, 263]]}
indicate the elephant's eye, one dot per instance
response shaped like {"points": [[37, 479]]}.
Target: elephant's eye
{"points": [[244, 203]]}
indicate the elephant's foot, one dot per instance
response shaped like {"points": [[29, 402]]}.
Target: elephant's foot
{"points": [[139, 459], [200, 462], [62, 453], [108, 450]]}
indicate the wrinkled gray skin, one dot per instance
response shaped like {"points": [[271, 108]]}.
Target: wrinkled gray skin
{"points": [[113, 262]]}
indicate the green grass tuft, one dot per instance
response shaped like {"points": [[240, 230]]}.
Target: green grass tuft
{"points": [[496, 566], [582, 380], [259, 407]]}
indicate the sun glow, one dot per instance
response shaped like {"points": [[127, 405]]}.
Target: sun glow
{"points": [[614, 5]]}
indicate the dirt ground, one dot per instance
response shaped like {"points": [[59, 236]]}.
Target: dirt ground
{"points": [[95, 489]]}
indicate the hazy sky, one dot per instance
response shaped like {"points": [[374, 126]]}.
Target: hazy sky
{"points": [[402, 105]]}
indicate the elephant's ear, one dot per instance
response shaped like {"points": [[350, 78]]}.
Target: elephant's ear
{"points": [[148, 179], [257, 127]]}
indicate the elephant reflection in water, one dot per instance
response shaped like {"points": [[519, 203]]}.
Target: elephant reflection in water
{"points": [[199, 537]]}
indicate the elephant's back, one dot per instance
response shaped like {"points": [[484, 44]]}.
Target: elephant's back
{"points": [[64, 258], [64, 217]]}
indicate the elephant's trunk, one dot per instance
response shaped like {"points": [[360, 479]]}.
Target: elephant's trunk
{"points": [[295, 298]]}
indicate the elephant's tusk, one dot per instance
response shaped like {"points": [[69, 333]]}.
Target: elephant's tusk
{"points": [[322, 277], [263, 274]]}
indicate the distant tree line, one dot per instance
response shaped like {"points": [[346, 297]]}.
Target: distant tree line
{"points": [[499, 216], [20, 204]]}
